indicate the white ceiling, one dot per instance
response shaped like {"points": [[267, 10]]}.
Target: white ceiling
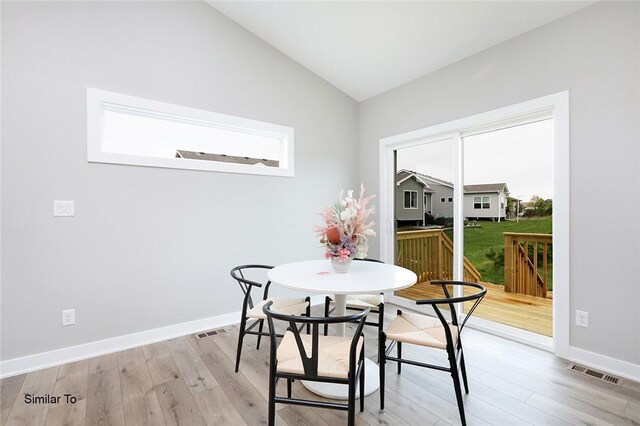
{"points": [[365, 48]]}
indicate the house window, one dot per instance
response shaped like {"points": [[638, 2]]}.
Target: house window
{"points": [[442, 200], [450, 200], [124, 129], [481, 203], [410, 199]]}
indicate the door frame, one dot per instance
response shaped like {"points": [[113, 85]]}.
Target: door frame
{"points": [[556, 107]]}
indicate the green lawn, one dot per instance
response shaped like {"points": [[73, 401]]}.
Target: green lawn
{"points": [[477, 241]]}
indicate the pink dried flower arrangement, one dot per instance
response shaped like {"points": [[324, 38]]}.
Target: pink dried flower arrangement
{"points": [[346, 227]]}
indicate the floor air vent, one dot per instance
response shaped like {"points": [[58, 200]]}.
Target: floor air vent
{"points": [[595, 374], [209, 333]]}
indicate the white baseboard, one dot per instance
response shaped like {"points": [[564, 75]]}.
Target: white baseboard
{"points": [[607, 364], [13, 367]]}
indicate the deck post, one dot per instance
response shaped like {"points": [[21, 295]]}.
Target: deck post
{"points": [[508, 264]]}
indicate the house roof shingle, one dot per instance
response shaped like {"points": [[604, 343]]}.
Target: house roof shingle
{"points": [[487, 187], [193, 155], [403, 174]]}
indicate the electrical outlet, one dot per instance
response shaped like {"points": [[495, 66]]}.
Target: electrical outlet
{"points": [[582, 319], [68, 317], [64, 208]]}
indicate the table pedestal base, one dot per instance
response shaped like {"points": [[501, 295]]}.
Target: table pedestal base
{"points": [[341, 392]]}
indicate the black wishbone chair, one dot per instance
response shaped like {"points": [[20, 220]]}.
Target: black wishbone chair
{"points": [[358, 302], [432, 332], [314, 357], [297, 306]]}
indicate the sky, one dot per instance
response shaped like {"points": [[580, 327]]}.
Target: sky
{"points": [[155, 137], [520, 156]]}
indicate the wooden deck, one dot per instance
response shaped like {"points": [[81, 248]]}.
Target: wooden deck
{"points": [[522, 311]]}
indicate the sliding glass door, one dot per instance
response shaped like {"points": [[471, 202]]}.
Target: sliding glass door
{"points": [[477, 206]]}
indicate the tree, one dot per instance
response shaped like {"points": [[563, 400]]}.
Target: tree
{"points": [[538, 207]]}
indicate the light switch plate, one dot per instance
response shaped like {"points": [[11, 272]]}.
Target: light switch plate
{"points": [[63, 208]]}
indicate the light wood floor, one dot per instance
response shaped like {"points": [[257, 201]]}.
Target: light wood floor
{"points": [[188, 381], [517, 310]]}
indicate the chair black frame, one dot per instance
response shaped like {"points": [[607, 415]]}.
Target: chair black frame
{"points": [[247, 285], [455, 352], [380, 310], [310, 363]]}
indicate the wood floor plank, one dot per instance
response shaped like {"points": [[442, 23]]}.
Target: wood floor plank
{"points": [[242, 394], [437, 405], [472, 405], [177, 403], [562, 387], [104, 397], [135, 379], [216, 408], [103, 362], [633, 411], [72, 380], [39, 383], [192, 369], [252, 367], [9, 391], [78, 367], [404, 408], [569, 414], [161, 364], [300, 416], [140, 401]]}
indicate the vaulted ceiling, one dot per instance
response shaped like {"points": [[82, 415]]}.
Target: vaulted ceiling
{"points": [[365, 48]]}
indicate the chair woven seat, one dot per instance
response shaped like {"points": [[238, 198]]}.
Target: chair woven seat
{"points": [[420, 330], [289, 306], [363, 301], [333, 355]]}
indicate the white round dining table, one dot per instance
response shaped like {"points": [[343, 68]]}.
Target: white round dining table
{"points": [[317, 276]]}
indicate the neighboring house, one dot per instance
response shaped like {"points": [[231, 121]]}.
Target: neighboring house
{"points": [[413, 198], [418, 194], [193, 155], [486, 201]]}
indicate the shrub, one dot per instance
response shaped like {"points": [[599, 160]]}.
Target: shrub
{"points": [[496, 257]]}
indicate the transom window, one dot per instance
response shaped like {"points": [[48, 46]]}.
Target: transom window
{"points": [[481, 203], [410, 199], [124, 129]]}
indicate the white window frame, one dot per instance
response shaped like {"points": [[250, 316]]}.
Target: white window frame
{"points": [[488, 198], [477, 202], [410, 198], [555, 106], [98, 101]]}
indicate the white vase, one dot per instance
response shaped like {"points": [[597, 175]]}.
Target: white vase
{"points": [[340, 267]]}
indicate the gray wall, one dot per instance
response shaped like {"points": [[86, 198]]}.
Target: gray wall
{"points": [[148, 247], [594, 54]]}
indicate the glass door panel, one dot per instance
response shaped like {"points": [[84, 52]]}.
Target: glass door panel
{"points": [[424, 206], [508, 224]]}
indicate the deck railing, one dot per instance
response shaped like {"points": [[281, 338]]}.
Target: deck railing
{"points": [[521, 272], [429, 253]]}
